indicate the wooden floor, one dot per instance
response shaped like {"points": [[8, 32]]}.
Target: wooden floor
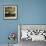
{"points": [[30, 43]]}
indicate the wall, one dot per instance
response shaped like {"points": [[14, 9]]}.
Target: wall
{"points": [[33, 12], [29, 12]]}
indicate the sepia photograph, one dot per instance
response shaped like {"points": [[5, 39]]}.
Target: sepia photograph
{"points": [[10, 12]]}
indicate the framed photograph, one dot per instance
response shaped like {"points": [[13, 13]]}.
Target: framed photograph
{"points": [[32, 32], [10, 12]]}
